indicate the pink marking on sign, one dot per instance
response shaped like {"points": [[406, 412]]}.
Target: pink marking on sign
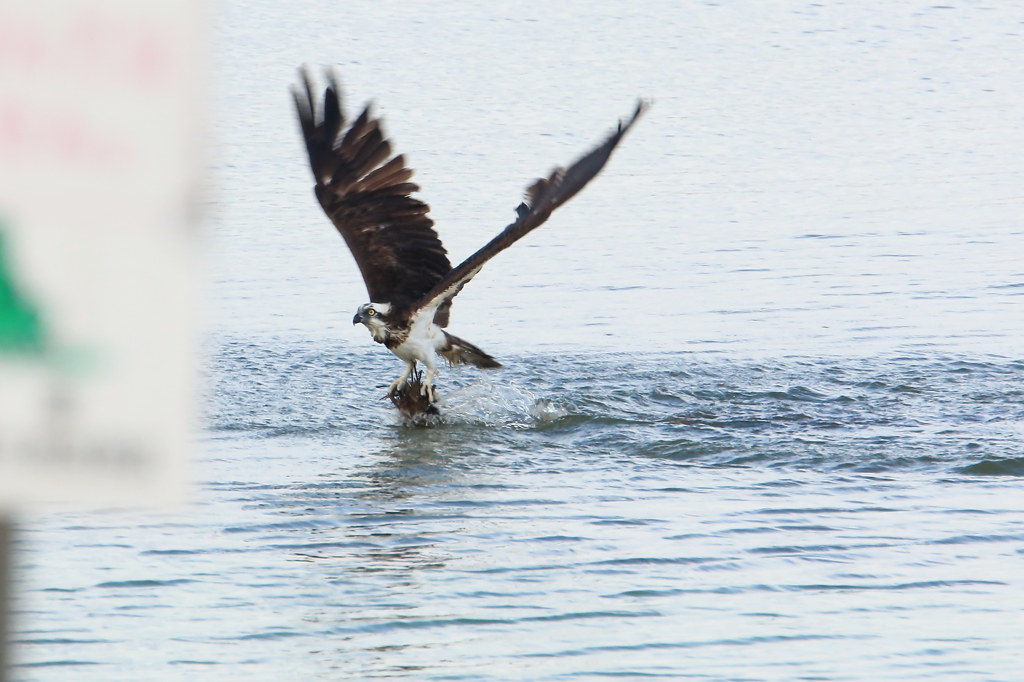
{"points": [[150, 58], [12, 127], [61, 136], [99, 46]]}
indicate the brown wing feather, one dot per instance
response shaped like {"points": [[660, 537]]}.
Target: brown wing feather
{"points": [[542, 197], [367, 195]]}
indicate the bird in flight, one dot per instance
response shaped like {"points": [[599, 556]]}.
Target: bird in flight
{"points": [[366, 193]]}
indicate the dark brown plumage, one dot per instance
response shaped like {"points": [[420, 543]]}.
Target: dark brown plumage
{"points": [[367, 195], [542, 197], [460, 352]]}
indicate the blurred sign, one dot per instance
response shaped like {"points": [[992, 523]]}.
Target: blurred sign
{"points": [[99, 172]]}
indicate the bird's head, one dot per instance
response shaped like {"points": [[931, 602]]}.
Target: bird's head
{"points": [[374, 316]]}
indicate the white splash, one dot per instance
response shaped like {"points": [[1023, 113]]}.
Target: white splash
{"points": [[545, 411], [498, 403]]}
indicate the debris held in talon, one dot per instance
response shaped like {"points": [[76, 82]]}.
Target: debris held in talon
{"points": [[411, 400]]}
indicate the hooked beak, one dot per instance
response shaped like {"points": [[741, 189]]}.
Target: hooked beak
{"points": [[357, 319]]}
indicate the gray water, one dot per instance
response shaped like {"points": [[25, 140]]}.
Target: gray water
{"points": [[762, 410]]}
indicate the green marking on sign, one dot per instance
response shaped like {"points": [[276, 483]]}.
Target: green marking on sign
{"points": [[20, 329]]}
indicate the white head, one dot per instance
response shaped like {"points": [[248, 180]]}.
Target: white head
{"points": [[374, 315]]}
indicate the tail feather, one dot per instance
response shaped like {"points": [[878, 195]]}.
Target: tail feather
{"points": [[458, 352]]}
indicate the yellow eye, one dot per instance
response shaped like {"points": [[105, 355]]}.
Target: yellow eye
{"points": [[371, 312]]}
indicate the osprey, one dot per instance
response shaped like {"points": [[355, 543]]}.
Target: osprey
{"points": [[367, 195]]}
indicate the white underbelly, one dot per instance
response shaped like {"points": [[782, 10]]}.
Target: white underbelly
{"points": [[421, 344]]}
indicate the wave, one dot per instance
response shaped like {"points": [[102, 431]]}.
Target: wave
{"points": [[960, 415]]}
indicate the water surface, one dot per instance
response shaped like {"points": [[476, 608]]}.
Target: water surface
{"points": [[761, 416]]}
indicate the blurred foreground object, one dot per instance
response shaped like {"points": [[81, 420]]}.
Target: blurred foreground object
{"points": [[99, 176], [99, 173]]}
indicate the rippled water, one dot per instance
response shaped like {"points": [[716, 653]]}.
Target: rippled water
{"points": [[763, 404], [881, 414], [579, 516]]}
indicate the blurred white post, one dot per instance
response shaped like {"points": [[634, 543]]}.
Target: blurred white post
{"points": [[5, 593], [100, 174]]}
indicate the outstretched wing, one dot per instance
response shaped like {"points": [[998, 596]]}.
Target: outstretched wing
{"points": [[367, 195], [542, 197]]}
